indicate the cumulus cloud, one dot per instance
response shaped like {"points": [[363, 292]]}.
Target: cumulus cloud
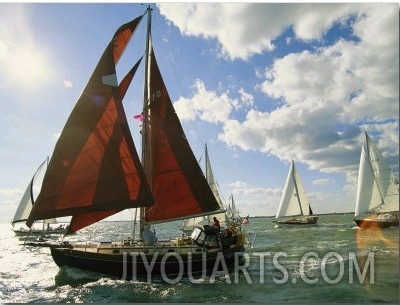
{"points": [[244, 30], [255, 199], [209, 106], [321, 181], [343, 84], [326, 95], [224, 22], [11, 192]]}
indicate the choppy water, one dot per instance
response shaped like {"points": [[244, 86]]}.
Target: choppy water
{"points": [[334, 262]]}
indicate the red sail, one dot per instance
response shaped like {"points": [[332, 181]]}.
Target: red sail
{"points": [[83, 220], [179, 187], [95, 166]]}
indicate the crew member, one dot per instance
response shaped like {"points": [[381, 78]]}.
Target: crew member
{"points": [[216, 223]]}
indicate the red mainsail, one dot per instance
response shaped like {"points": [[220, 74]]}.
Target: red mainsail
{"points": [[178, 184]]}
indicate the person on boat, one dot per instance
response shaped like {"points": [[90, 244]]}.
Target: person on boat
{"points": [[149, 236], [228, 233], [216, 223], [232, 228]]}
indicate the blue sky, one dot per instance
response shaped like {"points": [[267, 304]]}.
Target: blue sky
{"points": [[261, 84]]}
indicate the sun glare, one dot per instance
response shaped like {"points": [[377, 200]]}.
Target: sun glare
{"points": [[27, 66]]}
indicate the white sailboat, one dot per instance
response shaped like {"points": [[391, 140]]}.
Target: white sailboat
{"points": [[189, 224], [24, 209], [377, 202], [95, 172], [232, 213], [294, 207]]}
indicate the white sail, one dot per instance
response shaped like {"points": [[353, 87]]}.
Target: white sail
{"points": [[214, 187], [232, 211], [294, 201], [189, 224], [378, 188], [25, 205], [210, 179]]}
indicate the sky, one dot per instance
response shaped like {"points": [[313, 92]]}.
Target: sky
{"points": [[260, 84]]}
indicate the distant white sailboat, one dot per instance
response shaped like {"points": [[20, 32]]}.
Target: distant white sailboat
{"points": [[294, 207], [232, 213], [189, 224], [25, 208], [377, 203]]}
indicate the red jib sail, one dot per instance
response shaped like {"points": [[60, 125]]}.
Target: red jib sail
{"points": [[83, 220], [179, 187], [95, 166]]}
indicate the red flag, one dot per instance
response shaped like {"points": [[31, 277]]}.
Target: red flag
{"points": [[139, 117]]}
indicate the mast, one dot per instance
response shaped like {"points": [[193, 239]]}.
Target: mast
{"points": [[145, 113], [207, 164]]}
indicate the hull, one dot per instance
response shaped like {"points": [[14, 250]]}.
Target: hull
{"points": [[136, 260], [302, 221], [374, 223], [39, 232], [131, 264]]}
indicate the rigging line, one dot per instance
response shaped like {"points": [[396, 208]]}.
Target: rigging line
{"points": [[168, 51]]}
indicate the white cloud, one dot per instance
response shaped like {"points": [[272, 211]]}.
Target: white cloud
{"points": [[256, 201], [327, 96], [317, 91], [244, 29], [312, 21], [324, 181], [11, 192], [246, 98], [238, 184], [67, 84], [225, 22], [205, 105]]}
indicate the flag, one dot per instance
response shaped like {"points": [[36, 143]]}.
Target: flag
{"points": [[138, 117], [245, 221]]}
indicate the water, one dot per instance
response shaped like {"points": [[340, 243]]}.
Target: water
{"points": [[312, 265]]}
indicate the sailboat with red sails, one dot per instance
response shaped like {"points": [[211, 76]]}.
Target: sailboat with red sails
{"points": [[95, 171]]}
